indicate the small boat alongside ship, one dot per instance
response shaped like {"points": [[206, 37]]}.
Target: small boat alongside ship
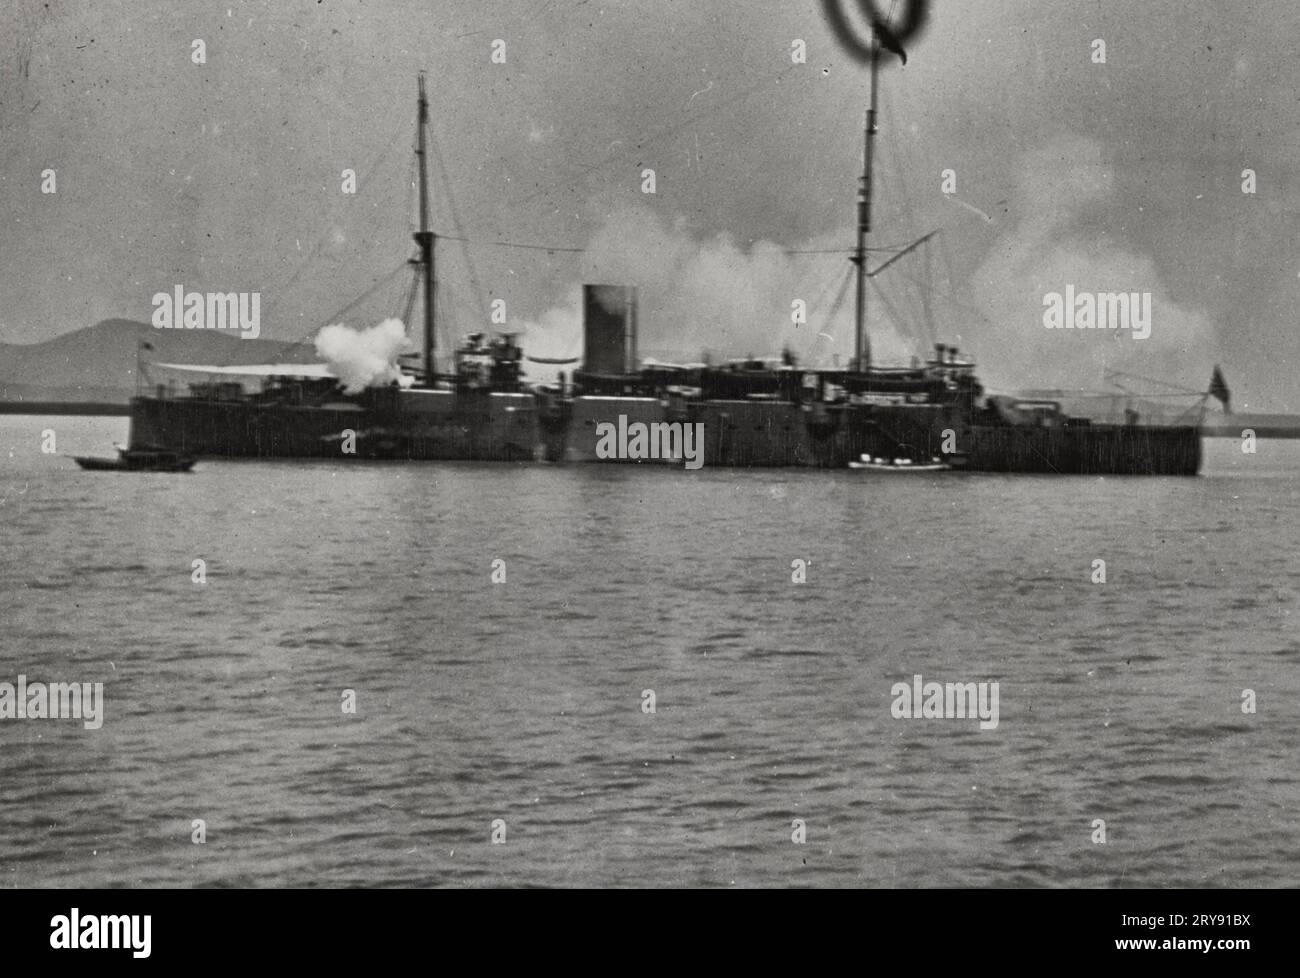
{"points": [[869, 464], [754, 413]]}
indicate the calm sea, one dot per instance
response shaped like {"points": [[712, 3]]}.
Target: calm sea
{"points": [[527, 701]]}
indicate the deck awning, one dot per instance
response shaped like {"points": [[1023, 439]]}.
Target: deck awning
{"points": [[254, 369]]}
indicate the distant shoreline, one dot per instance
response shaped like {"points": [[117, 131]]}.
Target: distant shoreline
{"points": [[89, 408], [1264, 431]]}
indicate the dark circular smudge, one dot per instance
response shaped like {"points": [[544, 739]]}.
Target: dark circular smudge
{"points": [[910, 24]]}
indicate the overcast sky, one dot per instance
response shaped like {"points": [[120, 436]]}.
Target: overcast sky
{"points": [[226, 176]]}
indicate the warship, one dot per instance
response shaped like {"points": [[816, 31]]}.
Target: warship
{"points": [[932, 415]]}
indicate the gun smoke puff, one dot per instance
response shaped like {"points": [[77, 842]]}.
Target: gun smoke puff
{"points": [[1057, 242], [365, 358]]}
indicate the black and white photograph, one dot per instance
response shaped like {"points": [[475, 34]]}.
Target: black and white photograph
{"points": [[645, 444]]}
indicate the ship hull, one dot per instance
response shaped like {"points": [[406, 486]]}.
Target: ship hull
{"points": [[757, 433], [773, 434], [417, 425], [1085, 450], [441, 425]]}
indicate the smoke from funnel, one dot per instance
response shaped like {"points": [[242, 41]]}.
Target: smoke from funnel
{"points": [[367, 357], [713, 294]]}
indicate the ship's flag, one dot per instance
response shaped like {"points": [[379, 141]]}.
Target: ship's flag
{"points": [[887, 39], [1219, 389]]}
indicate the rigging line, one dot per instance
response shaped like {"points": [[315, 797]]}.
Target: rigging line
{"points": [[1087, 394], [846, 279], [905, 162], [836, 273], [453, 307], [510, 244], [945, 245], [959, 303], [830, 282], [579, 251], [412, 221], [945, 252], [1150, 380], [930, 332], [920, 287], [910, 248], [901, 168], [835, 251], [335, 317], [443, 302], [303, 267], [848, 118], [668, 131], [914, 298], [457, 308], [451, 207], [329, 223], [846, 276], [903, 322], [400, 295], [379, 283], [410, 298]]}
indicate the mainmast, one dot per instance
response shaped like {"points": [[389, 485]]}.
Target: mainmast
{"points": [[861, 342], [425, 238]]}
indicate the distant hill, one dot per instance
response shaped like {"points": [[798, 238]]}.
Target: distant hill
{"points": [[97, 363]]}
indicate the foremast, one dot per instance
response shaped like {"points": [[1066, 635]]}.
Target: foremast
{"points": [[425, 238], [861, 342]]}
